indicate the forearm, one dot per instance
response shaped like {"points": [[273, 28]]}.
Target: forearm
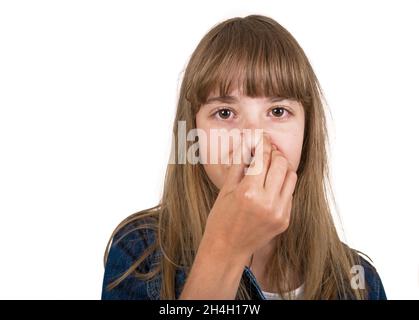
{"points": [[215, 273]]}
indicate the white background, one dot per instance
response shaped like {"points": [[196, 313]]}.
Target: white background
{"points": [[88, 92]]}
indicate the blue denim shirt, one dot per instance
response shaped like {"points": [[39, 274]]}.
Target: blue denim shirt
{"points": [[123, 253]]}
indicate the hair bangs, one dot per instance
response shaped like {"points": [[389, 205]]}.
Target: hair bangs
{"points": [[258, 62]]}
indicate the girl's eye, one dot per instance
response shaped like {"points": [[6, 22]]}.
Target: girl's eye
{"points": [[278, 112], [223, 113]]}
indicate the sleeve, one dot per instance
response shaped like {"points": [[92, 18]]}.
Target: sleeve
{"points": [[374, 284], [123, 252]]}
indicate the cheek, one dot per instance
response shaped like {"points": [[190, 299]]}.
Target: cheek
{"points": [[216, 173], [209, 150], [210, 153], [213, 158], [290, 144]]}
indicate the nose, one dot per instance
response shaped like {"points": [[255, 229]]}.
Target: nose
{"points": [[251, 139], [252, 122]]}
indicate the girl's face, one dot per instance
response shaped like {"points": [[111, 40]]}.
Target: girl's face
{"points": [[282, 120]]}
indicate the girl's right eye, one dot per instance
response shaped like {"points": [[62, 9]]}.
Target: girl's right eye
{"points": [[223, 113]]}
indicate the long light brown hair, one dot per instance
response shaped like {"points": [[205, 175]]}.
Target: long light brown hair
{"points": [[260, 56]]}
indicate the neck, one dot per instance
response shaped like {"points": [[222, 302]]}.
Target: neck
{"points": [[262, 255], [258, 267]]}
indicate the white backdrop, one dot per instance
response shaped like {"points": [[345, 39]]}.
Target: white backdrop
{"points": [[88, 92]]}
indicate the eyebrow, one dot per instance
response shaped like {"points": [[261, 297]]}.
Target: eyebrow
{"points": [[233, 99]]}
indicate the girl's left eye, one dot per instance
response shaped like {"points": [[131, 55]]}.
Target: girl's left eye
{"points": [[278, 112]]}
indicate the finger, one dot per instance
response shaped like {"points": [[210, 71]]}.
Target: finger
{"points": [[284, 215], [236, 168], [256, 173], [289, 208], [287, 214], [276, 173], [288, 186]]}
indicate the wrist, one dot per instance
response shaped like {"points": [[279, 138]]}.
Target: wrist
{"points": [[220, 251]]}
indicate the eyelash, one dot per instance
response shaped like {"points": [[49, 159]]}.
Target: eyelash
{"points": [[214, 114]]}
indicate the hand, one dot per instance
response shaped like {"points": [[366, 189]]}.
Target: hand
{"points": [[250, 210]]}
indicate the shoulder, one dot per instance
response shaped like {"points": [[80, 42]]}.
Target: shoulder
{"points": [[367, 275], [129, 244], [135, 236]]}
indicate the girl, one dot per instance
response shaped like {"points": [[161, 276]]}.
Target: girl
{"points": [[220, 232]]}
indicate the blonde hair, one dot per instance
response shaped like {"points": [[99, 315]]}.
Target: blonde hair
{"points": [[260, 56]]}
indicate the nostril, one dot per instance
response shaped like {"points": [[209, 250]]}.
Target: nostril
{"points": [[252, 153], [252, 156]]}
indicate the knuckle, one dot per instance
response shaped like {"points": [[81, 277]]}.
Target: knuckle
{"points": [[248, 194], [279, 212], [283, 223], [293, 176], [286, 223], [267, 207]]}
